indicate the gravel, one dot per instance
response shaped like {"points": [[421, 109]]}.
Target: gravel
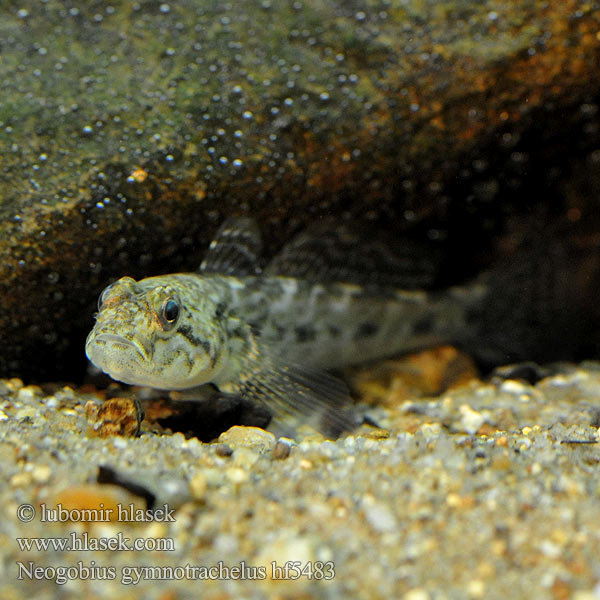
{"points": [[487, 490]]}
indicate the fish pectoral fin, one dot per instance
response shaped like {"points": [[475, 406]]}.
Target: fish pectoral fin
{"points": [[298, 395], [235, 249]]}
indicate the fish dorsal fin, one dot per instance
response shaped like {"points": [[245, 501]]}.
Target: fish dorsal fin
{"points": [[331, 252], [235, 249]]}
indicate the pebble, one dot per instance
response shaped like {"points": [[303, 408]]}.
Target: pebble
{"points": [[282, 449], [249, 437], [98, 497], [21, 479], [27, 412], [442, 490], [28, 393], [41, 473], [517, 388], [223, 450], [471, 420], [198, 486], [236, 475], [381, 518], [416, 594]]}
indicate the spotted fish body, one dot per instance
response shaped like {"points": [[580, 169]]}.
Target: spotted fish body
{"points": [[265, 335]]}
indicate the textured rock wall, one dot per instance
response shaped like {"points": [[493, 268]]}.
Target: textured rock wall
{"points": [[129, 130]]}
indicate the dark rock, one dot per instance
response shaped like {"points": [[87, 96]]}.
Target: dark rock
{"points": [[128, 131]]}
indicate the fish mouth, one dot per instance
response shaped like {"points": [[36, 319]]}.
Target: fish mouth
{"points": [[113, 338]]}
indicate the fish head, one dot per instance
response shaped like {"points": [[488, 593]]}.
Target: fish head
{"points": [[147, 334]]}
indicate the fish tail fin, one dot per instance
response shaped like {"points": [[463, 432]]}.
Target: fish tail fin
{"points": [[540, 303]]}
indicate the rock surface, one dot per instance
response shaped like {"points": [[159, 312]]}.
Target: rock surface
{"points": [[129, 130]]}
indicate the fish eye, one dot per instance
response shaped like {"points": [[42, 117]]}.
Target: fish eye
{"points": [[170, 310]]}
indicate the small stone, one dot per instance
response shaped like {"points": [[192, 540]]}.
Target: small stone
{"points": [[20, 479], [381, 518], [91, 410], [471, 420], [251, 437], [245, 458], [288, 546], [117, 416], [23, 413], [14, 384], [198, 485], [282, 449], [41, 473], [517, 388], [236, 475], [29, 392], [453, 500], [501, 463], [99, 497], [156, 529], [225, 543], [416, 594], [223, 450], [476, 588]]}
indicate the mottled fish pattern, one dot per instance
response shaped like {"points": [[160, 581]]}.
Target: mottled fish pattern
{"points": [[271, 335]]}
